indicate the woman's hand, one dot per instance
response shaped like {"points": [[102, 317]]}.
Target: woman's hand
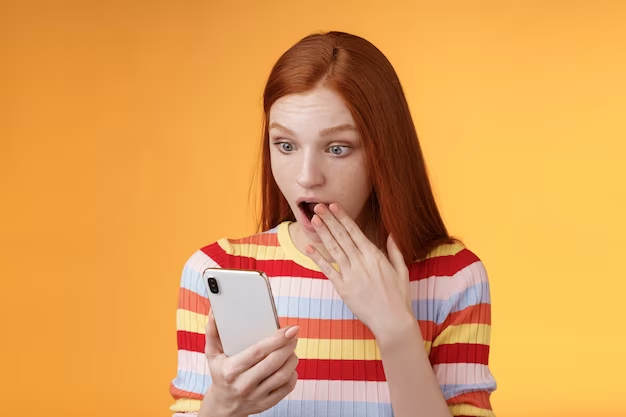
{"points": [[253, 380], [375, 288]]}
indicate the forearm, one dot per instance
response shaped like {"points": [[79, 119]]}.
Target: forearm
{"points": [[412, 384]]}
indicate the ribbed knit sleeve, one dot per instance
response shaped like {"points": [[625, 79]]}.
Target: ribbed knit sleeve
{"points": [[460, 350], [192, 377]]}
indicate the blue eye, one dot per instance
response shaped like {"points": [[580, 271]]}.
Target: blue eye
{"points": [[285, 146], [338, 150]]}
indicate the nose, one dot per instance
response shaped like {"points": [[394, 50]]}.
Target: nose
{"points": [[310, 173]]}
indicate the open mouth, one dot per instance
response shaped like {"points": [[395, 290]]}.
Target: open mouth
{"points": [[307, 208]]}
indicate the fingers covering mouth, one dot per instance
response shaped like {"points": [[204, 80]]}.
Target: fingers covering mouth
{"points": [[307, 208]]}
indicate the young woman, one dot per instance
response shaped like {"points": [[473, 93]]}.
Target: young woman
{"points": [[382, 312]]}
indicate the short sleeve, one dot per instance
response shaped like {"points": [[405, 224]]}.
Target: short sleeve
{"points": [[460, 349], [192, 377]]}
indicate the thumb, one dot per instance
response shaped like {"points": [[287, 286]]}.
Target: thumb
{"points": [[213, 346], [395, 256]]}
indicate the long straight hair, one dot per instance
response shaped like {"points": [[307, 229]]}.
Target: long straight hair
{"points": [[402, 202]]}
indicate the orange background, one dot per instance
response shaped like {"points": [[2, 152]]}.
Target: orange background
{"points": [[129, 132]]}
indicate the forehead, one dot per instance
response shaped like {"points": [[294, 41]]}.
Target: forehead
{"points": [[321, 107]]}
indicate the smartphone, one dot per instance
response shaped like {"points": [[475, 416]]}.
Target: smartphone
{"points": [[243, 307]]}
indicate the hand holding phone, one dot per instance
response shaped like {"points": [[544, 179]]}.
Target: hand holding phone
{"points": [[250, 381]]}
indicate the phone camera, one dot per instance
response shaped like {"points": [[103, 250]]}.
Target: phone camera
{"points": [[213, 285]]}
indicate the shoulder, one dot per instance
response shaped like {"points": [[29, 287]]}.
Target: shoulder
{"points": [[229, 252], [445, 260], [453, 267], [450, 284]]}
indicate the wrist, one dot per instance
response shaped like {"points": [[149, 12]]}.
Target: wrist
{"points": [[397, 333], [210, 407]]}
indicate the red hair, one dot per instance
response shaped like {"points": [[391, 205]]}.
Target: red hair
{"points": [[402, 201]]}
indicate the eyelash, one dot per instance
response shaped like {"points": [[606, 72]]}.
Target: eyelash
{"points": [[347, 148]]}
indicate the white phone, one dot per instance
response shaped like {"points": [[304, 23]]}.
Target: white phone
{"points": [[243, 307]]}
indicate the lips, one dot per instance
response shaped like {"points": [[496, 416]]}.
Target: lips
{"points": [[307, 206]]}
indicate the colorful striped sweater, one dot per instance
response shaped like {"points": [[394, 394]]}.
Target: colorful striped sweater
{"points": [[340, 370]]}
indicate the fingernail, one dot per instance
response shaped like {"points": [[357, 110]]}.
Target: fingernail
{"points": [[309, 249], [291, 332], [321, 208]]}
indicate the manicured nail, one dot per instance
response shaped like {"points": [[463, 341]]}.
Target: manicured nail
{"points": [[316, 221], [291, 332]]}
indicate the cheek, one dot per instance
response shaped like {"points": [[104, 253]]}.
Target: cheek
{"points": [[361, 182], [363, 190], [280, 172], [275, 166], [360, 188]]}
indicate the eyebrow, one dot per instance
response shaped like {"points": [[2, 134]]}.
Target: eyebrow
{"points": [[324, 132]]}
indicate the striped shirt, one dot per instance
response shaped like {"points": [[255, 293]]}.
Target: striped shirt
{"points": [[340, 373]]}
